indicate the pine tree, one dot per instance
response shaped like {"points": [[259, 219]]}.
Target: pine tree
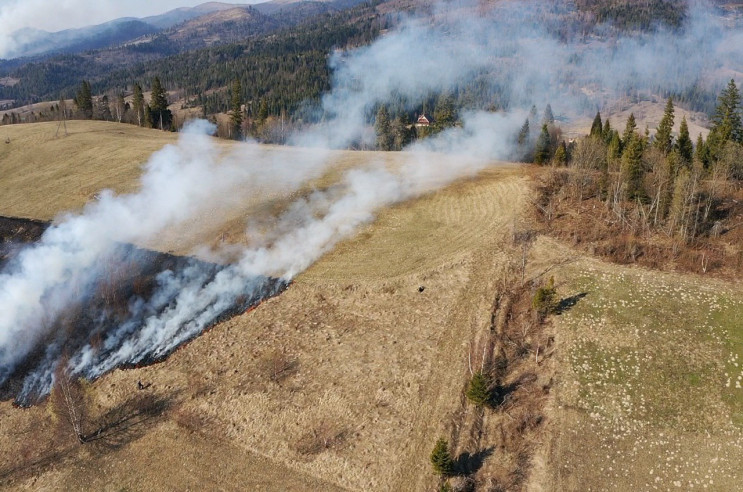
{"points": [[597, 127], [84, 100], [543, 150], [138, 104], [160, 115], [663, 136], [478, 391], [629, 129], [236, 110], [606, 133], [701, 153], [382, 126], [548, 118], [561, 154], [631, 171], [727, 119], [615, 146], [444, 115], [684, 144], [441, 458], [523, 138]]}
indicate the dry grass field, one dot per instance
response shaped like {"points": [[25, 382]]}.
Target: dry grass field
{"points": [[343, 381], [346, 380]]}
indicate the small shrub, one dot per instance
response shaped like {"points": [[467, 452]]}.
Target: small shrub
{"points": [[478, 391], [441, 459], [543, 302]]}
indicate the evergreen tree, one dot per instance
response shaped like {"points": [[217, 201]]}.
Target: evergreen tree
{"points": [[606, 133], [441, 459], [138, 104], [385, 138], [727, 119], [523, 138], [160, 115], [631, 171], [629, 129], [702, 153], [663, 135], [597, 127], [444, 115], [561, 154], [263, 111], [478, 391], [236, 110], [615, 146], [548, 118], [684, 144], [543, 150], [84, 100]]}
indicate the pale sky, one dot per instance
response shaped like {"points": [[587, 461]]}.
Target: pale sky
{"points": [[56, 15]]}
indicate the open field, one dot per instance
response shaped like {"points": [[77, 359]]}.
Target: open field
{"points": [[346, 380], [649, 396], [371, 368]]}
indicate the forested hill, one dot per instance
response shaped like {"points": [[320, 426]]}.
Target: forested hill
{"points": [[286, 30]]}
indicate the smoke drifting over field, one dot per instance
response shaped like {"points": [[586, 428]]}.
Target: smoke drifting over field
{"points": [[507, 49]]}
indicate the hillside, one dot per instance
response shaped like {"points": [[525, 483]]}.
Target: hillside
{"points": [[319, 387]]}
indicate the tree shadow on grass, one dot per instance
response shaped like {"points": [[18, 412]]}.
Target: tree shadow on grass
{"points": [[469, 464], [128, 421], [569, 302]]}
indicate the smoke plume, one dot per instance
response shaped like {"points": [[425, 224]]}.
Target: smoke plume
{"points": [[516, 53]]}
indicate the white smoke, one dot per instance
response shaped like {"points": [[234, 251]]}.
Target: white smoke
{"points": [[180, 181]]}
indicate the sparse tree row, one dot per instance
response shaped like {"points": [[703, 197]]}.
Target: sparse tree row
{"points": [[507, 386], [659, 184]]}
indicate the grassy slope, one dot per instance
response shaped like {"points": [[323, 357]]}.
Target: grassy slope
{"points": [[380, 365], [649, 395]]}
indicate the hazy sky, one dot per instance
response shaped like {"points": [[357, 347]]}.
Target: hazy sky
{"points": [[55, 15]]}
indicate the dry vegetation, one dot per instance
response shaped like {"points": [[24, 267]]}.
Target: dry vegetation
{"points": [[346, 380]]}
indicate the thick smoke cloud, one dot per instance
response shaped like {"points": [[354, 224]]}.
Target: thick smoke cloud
{"points": [[508, 47]]}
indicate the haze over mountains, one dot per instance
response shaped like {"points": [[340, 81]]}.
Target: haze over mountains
{"points": [[182, 22]]}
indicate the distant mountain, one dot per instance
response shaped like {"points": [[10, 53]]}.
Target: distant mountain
{"points": [[32, 42], [35, 42], [228, 25]]}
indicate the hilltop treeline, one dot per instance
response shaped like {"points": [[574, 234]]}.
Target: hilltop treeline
{"points": [[654, 199], [635, 14], [286, 67]]}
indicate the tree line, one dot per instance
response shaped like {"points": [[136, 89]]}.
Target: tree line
{"points": [[665, 181]]}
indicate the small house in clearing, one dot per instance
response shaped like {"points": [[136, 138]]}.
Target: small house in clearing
{"points": [[423, 120]]}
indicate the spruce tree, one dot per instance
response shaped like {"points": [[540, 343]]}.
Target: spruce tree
{"points": [[606, 133], [548, 118], [478, 391], [441, 458], [631, 171], [561, 154], [138, 104], [160, 115], [543, 150], [236, 110], [523, 138], [84, 100], [629, 129], [385, 138], [701, 153], [727, 118], [684, 144], [663, 136], [597, 127]]}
